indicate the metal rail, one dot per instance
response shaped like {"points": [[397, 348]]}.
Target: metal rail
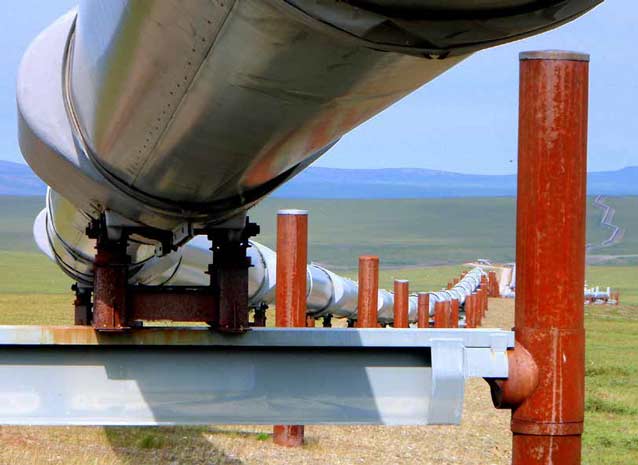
{"points": [[77, 376]]}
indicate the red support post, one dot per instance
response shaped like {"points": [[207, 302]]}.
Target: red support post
{"points": [[109, 287], [494, 290], [310, 321], [368, 303], [292, 259], [551, 203], [290, 295], [423, 310], [401, 303], [478, 311], [470, 310], [441, 310], [454, 314]]}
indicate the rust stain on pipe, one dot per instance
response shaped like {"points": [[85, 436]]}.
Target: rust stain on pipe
{"points": [[368, 299], [550, 254], [401, 303]]}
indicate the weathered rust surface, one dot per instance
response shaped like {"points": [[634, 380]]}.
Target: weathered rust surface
{"points": [[550, 255], [288, 435], [310, 322], [290, 307], [454, 313], [441, 314], [493, 280], [368, 299], [470, 311], [423, 310], [401, 303], [521, 382], [171, 304], [292, 259], [110, 282]]}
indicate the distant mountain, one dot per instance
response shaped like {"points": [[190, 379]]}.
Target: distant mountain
{"points": [[418, 183], [18, 179], [391, 183]]}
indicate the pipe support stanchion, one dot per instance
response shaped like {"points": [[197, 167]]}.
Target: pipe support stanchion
{"points": [[290, 310], [423, 310], [550, 254], [401, 303], [368, 296]]}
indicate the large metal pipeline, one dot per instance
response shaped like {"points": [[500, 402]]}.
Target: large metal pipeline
{"points": [[327, 293], [177, 114]]}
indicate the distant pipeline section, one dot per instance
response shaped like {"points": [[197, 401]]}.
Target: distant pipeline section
{"points": [[172, 118]]}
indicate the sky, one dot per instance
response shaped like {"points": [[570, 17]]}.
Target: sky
{"points": [[463, 121]]}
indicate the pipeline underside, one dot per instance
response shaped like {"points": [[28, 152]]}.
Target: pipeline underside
{"points": [[178, 115]]}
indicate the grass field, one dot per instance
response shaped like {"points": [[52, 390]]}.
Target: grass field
{"points": [[34, 291], [407, 232]]}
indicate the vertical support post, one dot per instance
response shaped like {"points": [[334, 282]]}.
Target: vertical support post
{"points": [[110, 279], [550, 254], [290, 296], [454, 313], [229, 273], [401, 303], [368, 298], [310, 321], [441, 310], [292, 260], [82, 305], [259, 319], [470, 309], [485, 300], [494, 290], [423, 310]]}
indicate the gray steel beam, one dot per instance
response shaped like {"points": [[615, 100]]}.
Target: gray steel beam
{"points": [[74, 376]]}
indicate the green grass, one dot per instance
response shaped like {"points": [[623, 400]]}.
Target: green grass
{"points": [[403, 233], [16, 221], [611, 374], [623, 278]]}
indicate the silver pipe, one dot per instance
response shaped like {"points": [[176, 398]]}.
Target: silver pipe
{"points": [[327, 293], [175, 115]]}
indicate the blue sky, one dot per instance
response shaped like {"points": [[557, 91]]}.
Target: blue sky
{"points": [[464, 121]]}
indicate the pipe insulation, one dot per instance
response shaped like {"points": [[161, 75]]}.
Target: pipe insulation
{"points": [[179, 116], [327, 293]]}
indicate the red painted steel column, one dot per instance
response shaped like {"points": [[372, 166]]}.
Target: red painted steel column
{"points": [[290, 296], [470, 306], [494, 291], [368, 303], [401, 303], [454, 313], [423, 310], [109, 288], [441, 310], [292, 259], [550, 254]]}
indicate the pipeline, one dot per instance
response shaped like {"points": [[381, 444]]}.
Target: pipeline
{"points": [[327, 293], [174, 117]]}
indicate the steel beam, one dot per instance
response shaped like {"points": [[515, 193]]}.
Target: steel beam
{"points": [[77, 376]]}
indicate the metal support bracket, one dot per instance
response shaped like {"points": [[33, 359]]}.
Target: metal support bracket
{"points": [[78, 376]]}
